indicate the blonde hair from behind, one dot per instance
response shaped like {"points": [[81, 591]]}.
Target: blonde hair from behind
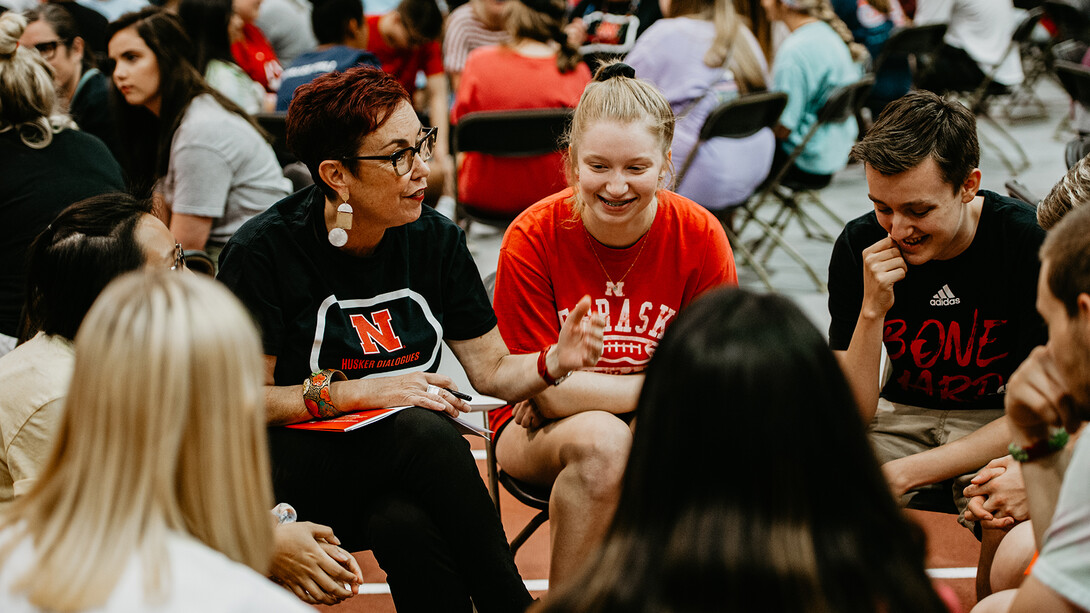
{"points": [[163, 432], [823, 10], [729, 48], [624, 100], [1072, 191], [28, 97], [545, 26]]}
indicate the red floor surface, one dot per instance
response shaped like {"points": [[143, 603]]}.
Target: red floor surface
{"points": [[949, 546]]}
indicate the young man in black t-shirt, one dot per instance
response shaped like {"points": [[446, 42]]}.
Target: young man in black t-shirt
{"points": [[944, 275]]}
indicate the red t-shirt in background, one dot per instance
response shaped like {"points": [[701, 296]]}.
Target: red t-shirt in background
{"points": [[256, 56], [547, 265], [404, 65], [498, 79]]}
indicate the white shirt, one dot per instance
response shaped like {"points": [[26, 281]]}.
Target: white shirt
{"points": [[200, 579], [982, 28]]}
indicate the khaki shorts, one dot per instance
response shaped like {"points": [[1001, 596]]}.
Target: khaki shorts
{"points": [[900, 430]]}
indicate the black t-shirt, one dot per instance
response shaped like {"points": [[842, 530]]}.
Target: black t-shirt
{"points": [[958, 328], [91, 108], [35, 186], [386, 313]]}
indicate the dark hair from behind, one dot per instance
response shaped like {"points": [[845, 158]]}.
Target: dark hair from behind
{"points": [[141, 132], [751, 480], [330, 18], [922, 125], [207, 22], [64, 26], [1067, 250], [422, 17], [329, 118], [89, 244]]}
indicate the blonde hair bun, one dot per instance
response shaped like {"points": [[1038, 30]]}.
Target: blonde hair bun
{"points": [[12, 25]]}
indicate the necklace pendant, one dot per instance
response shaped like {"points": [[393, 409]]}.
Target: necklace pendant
{"points": [[615, 289]]}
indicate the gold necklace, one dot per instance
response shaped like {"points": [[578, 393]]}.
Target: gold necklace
{"points": [[615, 289]]}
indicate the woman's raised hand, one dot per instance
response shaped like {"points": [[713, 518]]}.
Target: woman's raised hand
{"points": [[580, 341]]}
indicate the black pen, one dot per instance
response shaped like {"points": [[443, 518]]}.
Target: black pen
{"points": [[459, 395]]}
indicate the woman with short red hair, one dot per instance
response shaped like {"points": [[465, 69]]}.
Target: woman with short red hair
{"points": [[356, 286]]}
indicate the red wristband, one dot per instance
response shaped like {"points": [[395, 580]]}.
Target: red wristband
{"points": [[542, 368]]}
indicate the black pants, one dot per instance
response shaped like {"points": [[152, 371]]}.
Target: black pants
{"points": [[952, 70], [407, 488]]}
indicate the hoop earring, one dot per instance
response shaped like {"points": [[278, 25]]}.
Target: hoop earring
{"points": [[338, 236]]}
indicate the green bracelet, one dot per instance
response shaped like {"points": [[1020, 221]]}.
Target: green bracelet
{"points": [[1041, 448]]}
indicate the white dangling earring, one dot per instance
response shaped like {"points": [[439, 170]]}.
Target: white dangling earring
{"points": [[338, 236]]}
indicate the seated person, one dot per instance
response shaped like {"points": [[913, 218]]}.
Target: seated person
{"points": [[281, 22], [156, 495], [48, 164], [871, 23], [534, 68], [355, 286], [977, 40], [642, 253], [342, 43], [89, 244], [207, 22], [205, 157], [406, 42], [686, 538], [82, 90], [816, 58], [1049, 397], [713, 59], [942, 274], [474, 24], [251, 49]]}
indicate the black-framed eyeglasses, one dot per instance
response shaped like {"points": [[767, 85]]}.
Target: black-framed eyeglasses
{"points": [[402, 159], [179, 257], [49, 48]]}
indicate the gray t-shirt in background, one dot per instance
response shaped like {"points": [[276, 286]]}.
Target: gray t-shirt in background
{"points": [[221, 167]]}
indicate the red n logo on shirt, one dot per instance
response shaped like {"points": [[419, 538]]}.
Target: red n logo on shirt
{"points": [[380, 332]]}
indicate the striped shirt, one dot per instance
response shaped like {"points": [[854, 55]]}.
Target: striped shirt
{"points": [[464, 33]]}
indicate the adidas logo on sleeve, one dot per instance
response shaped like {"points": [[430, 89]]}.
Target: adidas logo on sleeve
{"points": [[945, 297]]}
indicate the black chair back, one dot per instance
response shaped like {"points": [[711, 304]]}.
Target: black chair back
{"points": [[512, 133], [744, 116], [911, 41], [1075, 78], [277, 127], [738, 118], [845, 101]]}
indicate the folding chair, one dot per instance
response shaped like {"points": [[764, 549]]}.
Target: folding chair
{"points": [[275, 124], [1036, 62], [738, 118], [989, 88], [535, 497], [513, 134], [1016, 189], [909, 42], [841, 105], [1075, 79]]}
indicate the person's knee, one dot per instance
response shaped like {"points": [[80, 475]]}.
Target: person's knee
{"points": [[1012, 557], [429, 431], [999, 602], [596, 459]]}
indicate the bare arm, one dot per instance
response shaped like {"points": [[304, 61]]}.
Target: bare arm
{"points": [[494, 371], [950, 460], [883, 267], [284, 403], [439, 114], [1037, 399], [1036, 597], [190, 230]]}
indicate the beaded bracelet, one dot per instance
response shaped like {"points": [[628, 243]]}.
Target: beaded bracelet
{"points": [[316, 393], [1039, 449]]}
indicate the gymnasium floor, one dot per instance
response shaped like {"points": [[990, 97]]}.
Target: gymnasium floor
{"points": [[952, 550]]}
